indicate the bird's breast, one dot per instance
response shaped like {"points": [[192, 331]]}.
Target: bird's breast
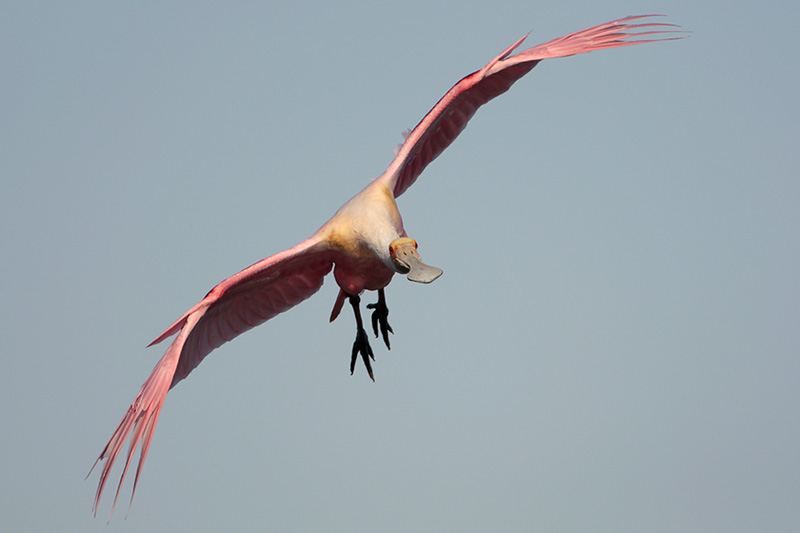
{"points": [[360, 234], [356, 274]]}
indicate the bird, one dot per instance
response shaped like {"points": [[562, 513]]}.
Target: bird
{"points": [[364, 243]]}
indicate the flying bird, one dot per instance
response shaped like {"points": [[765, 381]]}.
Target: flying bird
{"points": [[364, 243]]}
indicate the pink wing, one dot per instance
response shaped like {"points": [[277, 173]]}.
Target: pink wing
{"points": [[440, 127], [237, 304]]}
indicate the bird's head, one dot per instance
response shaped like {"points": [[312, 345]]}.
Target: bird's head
{"points": [[406, 260]]}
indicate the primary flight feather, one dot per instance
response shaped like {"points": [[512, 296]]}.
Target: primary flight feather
{"points": [[364, 243]]}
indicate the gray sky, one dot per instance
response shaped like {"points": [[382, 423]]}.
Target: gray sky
{"points": [[613, 345]]}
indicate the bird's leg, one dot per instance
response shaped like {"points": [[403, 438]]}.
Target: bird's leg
{"points": [[380, 316], [361, 345]]}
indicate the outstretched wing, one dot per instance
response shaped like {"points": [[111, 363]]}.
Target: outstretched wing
{"points": [[237, 304], [440, 127]]}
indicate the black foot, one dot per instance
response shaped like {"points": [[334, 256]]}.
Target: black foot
{"points": [[380, 316], [361, 346]]}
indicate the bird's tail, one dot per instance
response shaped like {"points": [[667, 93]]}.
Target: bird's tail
{"points": [[140, 420]]}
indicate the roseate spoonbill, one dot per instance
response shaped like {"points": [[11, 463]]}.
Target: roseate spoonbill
{"points": [[364, 242]]}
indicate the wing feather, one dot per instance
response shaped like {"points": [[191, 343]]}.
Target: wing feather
{"points": [[448, 118], [239, 303]]}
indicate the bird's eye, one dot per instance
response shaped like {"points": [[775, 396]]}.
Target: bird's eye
{"points": [[391, 249]]}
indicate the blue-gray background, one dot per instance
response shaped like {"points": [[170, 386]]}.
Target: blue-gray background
{"points": [[613, 346]]}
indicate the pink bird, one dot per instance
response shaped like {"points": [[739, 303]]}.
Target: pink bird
{"points": [[364, 242]]}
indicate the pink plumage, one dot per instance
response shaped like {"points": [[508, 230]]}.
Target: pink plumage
{"points": [[364, 242], [440, 127]]}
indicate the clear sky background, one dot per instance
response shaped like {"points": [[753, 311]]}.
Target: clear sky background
{"points": [[614, 345]]}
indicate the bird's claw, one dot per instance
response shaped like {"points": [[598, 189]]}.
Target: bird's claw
{"points": [[361, 346], [380, 317]]}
